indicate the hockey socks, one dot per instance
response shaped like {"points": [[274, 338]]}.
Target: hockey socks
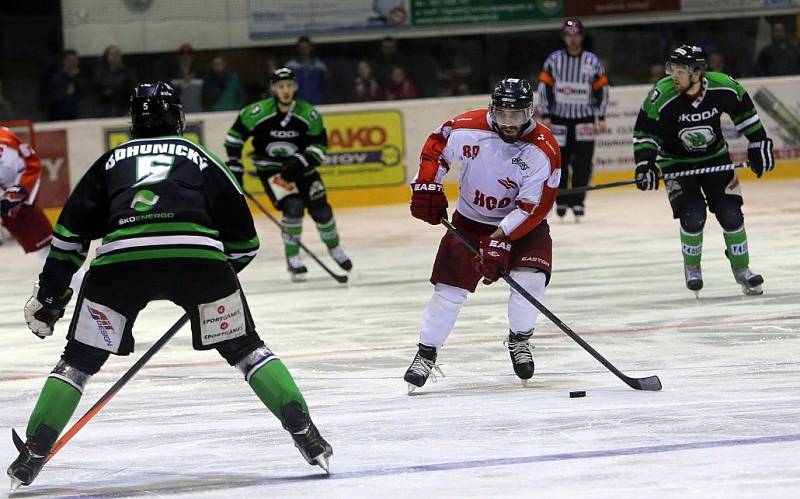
{"points": [[275, 387], [692, 247], [55, 406], [328, 233], [292, 230], [736, 248]]}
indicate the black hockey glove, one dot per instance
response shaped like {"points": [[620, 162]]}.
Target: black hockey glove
{"points": [[759, 156], [236, 167], [293, 169], [647, 176], [44, 308]]}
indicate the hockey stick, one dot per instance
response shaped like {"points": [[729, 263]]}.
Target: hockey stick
{"points": [[342, 279], [67, 436], [650, 383], [666, 176]]}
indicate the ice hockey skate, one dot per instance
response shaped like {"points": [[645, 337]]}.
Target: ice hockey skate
{"points": [[579, 211], [314, 449], [338, 255], [32, 456], [694, 278], [521, 353], [750, 282], [561, 210], [297, 269], [422, 368]]}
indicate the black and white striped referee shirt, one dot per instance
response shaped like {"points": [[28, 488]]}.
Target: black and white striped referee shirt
{"points": [[573, 87]]}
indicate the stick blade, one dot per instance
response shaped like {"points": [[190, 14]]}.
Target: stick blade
{"points": [[651, 383]]}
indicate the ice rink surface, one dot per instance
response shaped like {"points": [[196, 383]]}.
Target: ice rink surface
{"points": [[727, 423]]}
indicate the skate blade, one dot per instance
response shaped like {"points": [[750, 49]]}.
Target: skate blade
{"points": [[696, 294], [322, 462], [15, 484], [411, 388], [754, 291], [298, 277]]}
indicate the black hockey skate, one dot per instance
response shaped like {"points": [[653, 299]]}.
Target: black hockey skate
{"points": [[521, 353], [421, 368], [296, 267], [314, 449], [32, 456], [561, 210], [579, 212], [750, 282], [694, 278], [338, 255]]}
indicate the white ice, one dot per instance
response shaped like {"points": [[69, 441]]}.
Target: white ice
{"points": [[727, 423]]}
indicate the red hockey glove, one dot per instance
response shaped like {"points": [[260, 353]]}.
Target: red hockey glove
{"points": [[11, 201], [428, 202], [495, 255]]}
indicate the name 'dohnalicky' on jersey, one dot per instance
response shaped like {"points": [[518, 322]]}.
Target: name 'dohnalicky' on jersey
{"points": [[190, 153]]}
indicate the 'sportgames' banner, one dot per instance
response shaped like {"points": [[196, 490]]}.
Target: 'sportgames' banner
{"points": [[365, 149]]}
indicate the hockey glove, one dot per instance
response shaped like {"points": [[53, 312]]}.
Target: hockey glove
{"points": [[12, 199], [44, 308], [236, 167], [428, 202], [647, 176], [759, 156], [293, 169], [495, 256]]}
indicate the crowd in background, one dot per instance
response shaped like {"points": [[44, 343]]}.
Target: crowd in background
{"points": [[73, 87]]}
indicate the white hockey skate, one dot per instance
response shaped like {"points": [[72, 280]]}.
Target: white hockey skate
{"points": [[694, 279], [297, 269], [338, 255], [750, 282]]}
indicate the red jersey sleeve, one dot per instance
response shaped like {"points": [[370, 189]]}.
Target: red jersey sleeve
{"points": [[431, 160]]}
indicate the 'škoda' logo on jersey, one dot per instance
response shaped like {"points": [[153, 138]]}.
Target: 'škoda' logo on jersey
{"points": [[144, 200], [695, 117], [519, 162], [698, 138]]}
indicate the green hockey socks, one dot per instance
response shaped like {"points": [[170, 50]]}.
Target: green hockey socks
{"points": [[274, 385], [328, 233], [55, 406], [736, 248], [292, 230], [691, 247]]}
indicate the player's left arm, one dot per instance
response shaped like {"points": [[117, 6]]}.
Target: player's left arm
{"points": [[26, 185], [600, 96], [745, 118], [313, 154], [537, 194], [230, 213]]}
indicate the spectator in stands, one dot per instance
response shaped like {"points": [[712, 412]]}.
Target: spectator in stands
{"points": [[400, 87], [64, 89], [365, 87], [310, 71], [454, 75], [113, 81], [222, 88], [781, 57], [388, 58], [186, 80], [6, 109], [656, 72]]}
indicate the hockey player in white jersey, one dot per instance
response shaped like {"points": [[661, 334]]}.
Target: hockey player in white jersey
{"points": [[510, 173]]}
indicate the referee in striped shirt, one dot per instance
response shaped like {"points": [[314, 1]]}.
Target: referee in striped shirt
{"points": [[573, 96]]}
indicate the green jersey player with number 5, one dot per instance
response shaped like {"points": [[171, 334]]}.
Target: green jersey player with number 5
{"points": [[678, 129]]}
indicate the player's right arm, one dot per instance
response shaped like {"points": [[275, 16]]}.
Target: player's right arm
{"points": [[647, 141], [546, 90], [237, 135], [428, 201]]}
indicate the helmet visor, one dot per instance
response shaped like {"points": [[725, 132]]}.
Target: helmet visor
{"points": [[504, 116], [677, 69]]}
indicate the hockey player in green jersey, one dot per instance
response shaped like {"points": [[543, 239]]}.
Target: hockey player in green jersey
{"points": [[678, 128], [174, 226], [289, 140]]}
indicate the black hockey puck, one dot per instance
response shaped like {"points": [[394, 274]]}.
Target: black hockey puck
{"points": [[576, 394]]}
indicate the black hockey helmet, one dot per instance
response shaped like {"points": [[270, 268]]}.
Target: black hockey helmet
{"points": [[282, 74], [571, 27], [511, 104], [155, 110], [691, 55]]}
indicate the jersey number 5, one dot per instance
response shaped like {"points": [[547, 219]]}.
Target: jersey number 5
{"points": [[152, 169]]}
